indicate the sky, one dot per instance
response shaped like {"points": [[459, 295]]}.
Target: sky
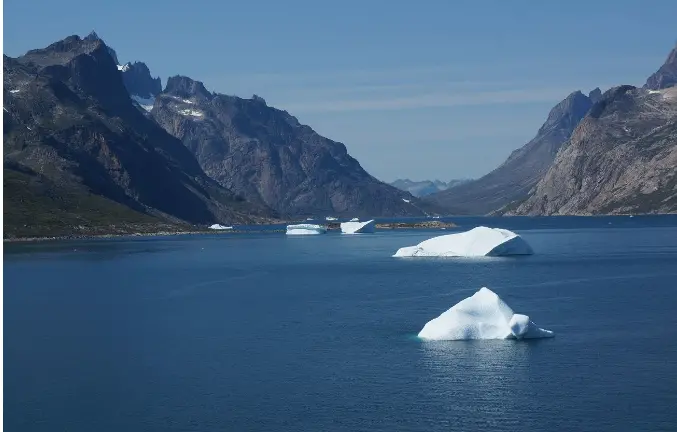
{"points": [[422, 90]]}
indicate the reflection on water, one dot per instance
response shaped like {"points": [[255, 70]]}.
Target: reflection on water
{"points": [[480, 383]]}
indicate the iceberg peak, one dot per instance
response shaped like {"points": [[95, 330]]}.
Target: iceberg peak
{"points": [[484, 315]]}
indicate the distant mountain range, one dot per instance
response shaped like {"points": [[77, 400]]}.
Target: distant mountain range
{"points": [[597, 154], [425, 187], [92, 146]]}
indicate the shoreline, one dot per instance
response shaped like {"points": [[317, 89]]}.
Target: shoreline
{"points": [[332, 227], [128, 235]]}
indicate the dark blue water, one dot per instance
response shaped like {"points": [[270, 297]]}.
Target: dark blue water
{"points": [[260, 332]]}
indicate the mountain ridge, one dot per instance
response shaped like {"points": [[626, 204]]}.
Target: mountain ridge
{"points": [[621, 159], [69, 119], [518, 174], [266, 155]]}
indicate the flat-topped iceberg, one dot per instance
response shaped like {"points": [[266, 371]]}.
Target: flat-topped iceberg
{"points": [[484, 315], [480, 241], [220, 227], [306, 229], [358, 227]]}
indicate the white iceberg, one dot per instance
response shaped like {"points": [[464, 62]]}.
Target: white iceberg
{"points": [[358, 227], [220, 227], [331, 218], [355, 220], [484, 315], [480, 241], [306, 229]]}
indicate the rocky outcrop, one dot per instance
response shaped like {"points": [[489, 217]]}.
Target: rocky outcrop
{"points": [[666, 76], [69, 120], [267, 156], [622, 158], [512, 181], [595, 95], [138, 81]]}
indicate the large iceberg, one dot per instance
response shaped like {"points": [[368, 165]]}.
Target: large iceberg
{"points": [[484, 315], [480, 241], [358, 227], [306, 229]]}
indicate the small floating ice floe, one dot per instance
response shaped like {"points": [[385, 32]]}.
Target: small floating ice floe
{"points": [[355, 220], [220, 227], [484, 315], [477, 242], [353, 227], [306, 229], [331, 218]]}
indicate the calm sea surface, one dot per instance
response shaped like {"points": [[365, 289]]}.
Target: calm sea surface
{"points": [[262, 332]]}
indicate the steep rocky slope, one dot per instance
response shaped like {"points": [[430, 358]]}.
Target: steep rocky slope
{"points": [[513, 180], [666, 75], [267, 156], [142, 87], [70, 123], [622, 158]]}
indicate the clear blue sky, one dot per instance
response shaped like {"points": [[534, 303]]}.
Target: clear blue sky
{"points": [[431, 89]]}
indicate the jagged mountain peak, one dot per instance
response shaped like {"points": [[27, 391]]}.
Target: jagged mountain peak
{"points": [[595, 95], [568, 113], [92, 36], [183, 86], [66, 50], [72, 124], [612, 96], [666, 75], [141, 86]]}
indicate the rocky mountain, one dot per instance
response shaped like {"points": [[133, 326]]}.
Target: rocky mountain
{"points": [[425, 187], [76, 147], [267, 156], [666, 76], [595, 95], [622, 158], [142, 87], [513, 180]]}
